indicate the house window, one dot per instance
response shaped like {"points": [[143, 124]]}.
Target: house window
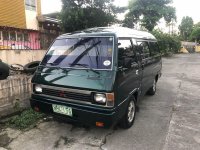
{"points": [[31, 5], [26, 37], [13, 36], [5, 35], [19, 36]]}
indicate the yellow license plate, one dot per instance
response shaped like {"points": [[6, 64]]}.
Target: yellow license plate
{"points": [[62, 110]]}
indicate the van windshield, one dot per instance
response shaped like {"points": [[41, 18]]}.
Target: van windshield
{"points": [[86, 52]]}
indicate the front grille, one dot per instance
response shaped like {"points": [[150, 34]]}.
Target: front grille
{"points": [[67, 94]]}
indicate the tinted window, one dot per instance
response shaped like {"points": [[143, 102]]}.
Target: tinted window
{"points": [[144, 49], [90, 52], [125, 53], [154, 48]]}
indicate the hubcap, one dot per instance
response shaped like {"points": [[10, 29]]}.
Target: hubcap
{"points": [[131, 111], [154, 85]]}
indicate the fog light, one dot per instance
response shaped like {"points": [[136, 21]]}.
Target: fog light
{"points": [[100, 98], [38, 89]]}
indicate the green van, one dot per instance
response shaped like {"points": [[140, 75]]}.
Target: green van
{"points": [[96, 76]]}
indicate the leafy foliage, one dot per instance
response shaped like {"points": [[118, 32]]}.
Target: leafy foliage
{"points": [[81, 14], [195, 35], [186, 27], [26, 119], [167, 43], [149, 12]]}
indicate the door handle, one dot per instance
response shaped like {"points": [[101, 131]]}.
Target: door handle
{"points": [[137, 72]]}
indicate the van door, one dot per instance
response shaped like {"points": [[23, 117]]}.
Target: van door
{"points": [[128, 75], [147, 66]]}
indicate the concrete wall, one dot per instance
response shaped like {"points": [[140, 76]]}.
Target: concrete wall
{"points": [[15, 91], [21, 56]]}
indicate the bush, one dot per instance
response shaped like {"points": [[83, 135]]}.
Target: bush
{"points": [[168, 44], [27, 118]]}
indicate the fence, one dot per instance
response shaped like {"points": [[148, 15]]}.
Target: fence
{"points": [[23, 39]]}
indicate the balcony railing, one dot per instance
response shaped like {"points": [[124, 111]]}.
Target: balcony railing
{"points": [[22, 39]]}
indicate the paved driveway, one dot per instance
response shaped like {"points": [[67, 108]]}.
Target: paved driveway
{"points": [[170, 120]]}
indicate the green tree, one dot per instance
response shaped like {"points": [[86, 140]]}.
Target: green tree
{"points": [[167, 43], [81, 14], [149, 12], [195, 35], [186, 27]]}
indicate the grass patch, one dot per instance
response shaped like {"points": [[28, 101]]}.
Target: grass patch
{"points": [[26, 119]]}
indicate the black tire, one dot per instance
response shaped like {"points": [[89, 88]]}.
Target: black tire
{"points": [[4, 71], [128, 120], [153, 88], [31, 67]]}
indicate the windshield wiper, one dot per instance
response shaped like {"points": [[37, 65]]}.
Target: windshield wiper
{"points": [[85, 52], [85, 66], [52, 64]]}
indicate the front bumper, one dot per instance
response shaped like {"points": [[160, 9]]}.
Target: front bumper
{"points": [[81, 113]]}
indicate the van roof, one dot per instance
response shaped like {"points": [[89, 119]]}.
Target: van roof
{"points": [[118, 31]]}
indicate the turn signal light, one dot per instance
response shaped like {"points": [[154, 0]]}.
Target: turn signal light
{"points": [[36, 109], [99, 124], [110, 99]]}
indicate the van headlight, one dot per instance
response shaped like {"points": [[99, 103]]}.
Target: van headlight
{"points": [[38, 88], [100, 98]]}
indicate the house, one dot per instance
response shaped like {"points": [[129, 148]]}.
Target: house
{"points": [[20, 27], [49, 23]]}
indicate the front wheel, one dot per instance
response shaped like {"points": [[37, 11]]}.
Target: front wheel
{"points": [[128, 119]]}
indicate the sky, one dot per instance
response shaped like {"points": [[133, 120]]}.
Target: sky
{"points": [[183, 8]]}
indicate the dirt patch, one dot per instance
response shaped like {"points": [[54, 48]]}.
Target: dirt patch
{"points": [[4, 140], [64, 140]]}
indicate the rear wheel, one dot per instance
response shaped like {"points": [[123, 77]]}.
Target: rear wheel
{"points": [[153, 88], [129, 117]]}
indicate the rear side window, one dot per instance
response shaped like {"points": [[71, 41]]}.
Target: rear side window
{"points": [[154, 49], [144, 48]]}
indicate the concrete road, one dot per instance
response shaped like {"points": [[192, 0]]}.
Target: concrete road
{"points": [[170, 120]]}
